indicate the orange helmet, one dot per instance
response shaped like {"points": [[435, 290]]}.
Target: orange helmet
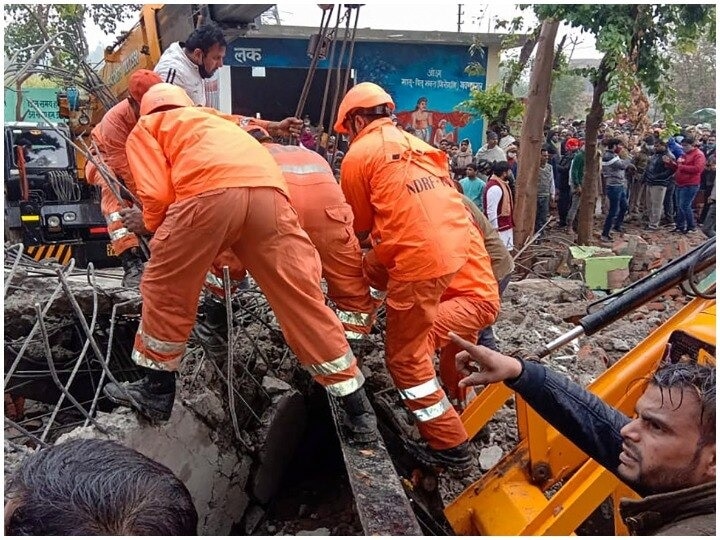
{"points": [[362, 96], [140, 82], [163, 94]]}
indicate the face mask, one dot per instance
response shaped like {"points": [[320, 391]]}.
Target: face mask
{"points": [[204, 73]]}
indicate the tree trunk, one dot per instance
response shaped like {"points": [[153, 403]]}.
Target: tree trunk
{"points": [[512, 78], [531, 137], [591, 177]]}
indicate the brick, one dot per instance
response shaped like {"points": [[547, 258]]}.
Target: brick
{"points": [[656, 306], [683, 246]]}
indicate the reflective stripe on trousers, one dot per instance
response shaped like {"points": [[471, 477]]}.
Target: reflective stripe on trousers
{"points": [[154, 353], [353, 317], [217, 288], [424, 390], [336, 366]]}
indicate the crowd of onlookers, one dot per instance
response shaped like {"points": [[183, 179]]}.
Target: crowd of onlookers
{"points": [[667, 181]]}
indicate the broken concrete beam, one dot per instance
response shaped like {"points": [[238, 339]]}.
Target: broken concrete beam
{"points": [[215, 476], [20, 315], [553, 290]]}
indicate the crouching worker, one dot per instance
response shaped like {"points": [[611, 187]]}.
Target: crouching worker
{"points": [[207, 186], [90, 487], [666, 453]]}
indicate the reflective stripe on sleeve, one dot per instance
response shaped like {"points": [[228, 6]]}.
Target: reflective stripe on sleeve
{"points": [[349, 334], [118, 234], [113, 216]]}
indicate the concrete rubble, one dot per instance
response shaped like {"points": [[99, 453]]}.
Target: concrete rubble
{"points": [[235, 481]]}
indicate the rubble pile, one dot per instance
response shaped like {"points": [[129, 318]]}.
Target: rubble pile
{"points": [[86, 320], [234, 474]]}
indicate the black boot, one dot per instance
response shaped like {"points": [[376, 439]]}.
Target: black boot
{"points": [[456, 460], [358, 417], [133, 267], [211, 329], [154, 394]]}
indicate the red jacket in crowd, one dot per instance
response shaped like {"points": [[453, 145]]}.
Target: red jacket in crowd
{"points": [[688, 168]]}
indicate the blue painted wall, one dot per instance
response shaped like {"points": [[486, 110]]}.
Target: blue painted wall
{"points": [[407, 71]]}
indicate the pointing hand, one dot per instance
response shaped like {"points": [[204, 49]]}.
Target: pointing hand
{"points": [[481, 365]]}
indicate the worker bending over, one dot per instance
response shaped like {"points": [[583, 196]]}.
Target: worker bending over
{"points": [[327, 218], [110, 136], [207, 186], [425, 252]]}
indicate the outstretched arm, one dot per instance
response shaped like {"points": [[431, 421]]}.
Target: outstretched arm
{"points": [[585, 419]]}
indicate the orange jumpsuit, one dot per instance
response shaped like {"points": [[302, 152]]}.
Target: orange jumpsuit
{"points": [[327, 219], [207, 186], [110, 136], [428, 256]]}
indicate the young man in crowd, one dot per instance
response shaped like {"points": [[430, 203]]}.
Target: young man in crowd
{"points": [[688, 170], [491, 151], [656, 178], [614, 164], [546, 190], [473, 186], [498, 203]]}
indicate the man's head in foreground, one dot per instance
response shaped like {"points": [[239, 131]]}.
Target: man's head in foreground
{"points": [[92, 487]]}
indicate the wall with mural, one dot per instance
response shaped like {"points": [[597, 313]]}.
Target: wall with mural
{"points": [[426, 81]]}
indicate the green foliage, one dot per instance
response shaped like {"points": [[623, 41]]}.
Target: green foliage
{"points": [[28, 26], [37, 81], [568, 96], [638, 41], [692, 79], [490, 102]]}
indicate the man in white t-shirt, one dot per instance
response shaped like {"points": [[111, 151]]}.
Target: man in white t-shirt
{"points": [[491, 151], [193, 66]]}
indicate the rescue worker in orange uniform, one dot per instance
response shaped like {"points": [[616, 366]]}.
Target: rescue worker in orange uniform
{"points": [[425, 252], [110, 136], [326, 217], [207, 186]]}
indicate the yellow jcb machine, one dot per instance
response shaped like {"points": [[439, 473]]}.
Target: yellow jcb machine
{"points": [[513, 498]]}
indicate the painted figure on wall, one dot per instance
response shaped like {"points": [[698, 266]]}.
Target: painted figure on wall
{"points": [[441, 134], [422, 120]]}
